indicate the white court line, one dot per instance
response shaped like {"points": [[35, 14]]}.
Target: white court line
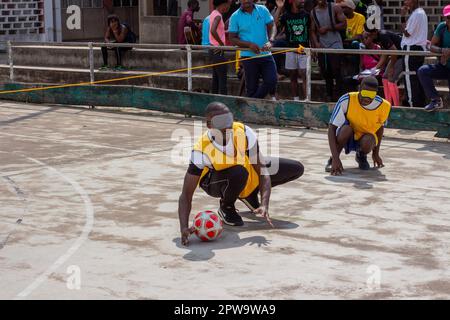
{"points": [[82, 143], [76, 245]]}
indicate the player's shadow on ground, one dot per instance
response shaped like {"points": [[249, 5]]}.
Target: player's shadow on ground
{"points": [[230, 238], [439, 148], [361, 179]]}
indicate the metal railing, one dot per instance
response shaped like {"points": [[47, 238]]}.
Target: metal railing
{"points": [[190, 48]]}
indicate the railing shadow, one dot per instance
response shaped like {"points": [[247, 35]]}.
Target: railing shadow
{"points": [[26, 117]]}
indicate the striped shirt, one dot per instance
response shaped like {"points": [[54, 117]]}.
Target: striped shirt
{"points": [[339, 115]]}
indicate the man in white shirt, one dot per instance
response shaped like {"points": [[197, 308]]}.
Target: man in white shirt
{"points": [[415, 33]]}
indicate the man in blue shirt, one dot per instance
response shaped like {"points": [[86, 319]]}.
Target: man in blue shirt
{"points": [[440, 43], [249, 28]]}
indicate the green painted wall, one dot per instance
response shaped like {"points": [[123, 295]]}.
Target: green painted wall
{"points": [[249, 110]]}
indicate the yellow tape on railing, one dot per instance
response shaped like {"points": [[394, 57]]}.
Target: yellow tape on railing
{"points": [[141, 75]]}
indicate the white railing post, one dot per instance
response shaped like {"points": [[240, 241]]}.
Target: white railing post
{"points": [[308, 73], [189, 66], [91, 62], [10, 61]]}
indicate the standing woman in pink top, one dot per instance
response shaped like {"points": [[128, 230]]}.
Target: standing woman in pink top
{"points": [[217, 38]]}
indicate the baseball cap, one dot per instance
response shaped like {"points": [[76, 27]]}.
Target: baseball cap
{"points": [[446, 11], [348, 3]]}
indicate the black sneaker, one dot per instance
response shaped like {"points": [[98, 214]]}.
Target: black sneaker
{"points": [[252, 201], [229, 215], [329, 165], [362, 161]]}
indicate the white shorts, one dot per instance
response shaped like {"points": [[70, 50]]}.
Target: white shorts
{"points": [[295, 61]]}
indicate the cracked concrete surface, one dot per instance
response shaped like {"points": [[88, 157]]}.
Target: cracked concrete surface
{"points": [[62, 166]]}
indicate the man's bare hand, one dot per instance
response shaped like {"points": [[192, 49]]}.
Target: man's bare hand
{"points": [[377, 161], [336, 167], [255, 48], [185, 235], [280, 3], [445, 55], [265, 213], [390, 73], [323, 30], [218, 51], [267, 47]]}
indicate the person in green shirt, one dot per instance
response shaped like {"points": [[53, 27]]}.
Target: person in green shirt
{"points": [[440, 43]]}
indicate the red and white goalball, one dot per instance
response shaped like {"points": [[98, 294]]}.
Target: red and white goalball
{"points": [[208, 225]]}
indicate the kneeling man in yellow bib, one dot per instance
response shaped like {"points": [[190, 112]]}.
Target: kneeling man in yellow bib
{"points": [[357, 124], [226, 163]]}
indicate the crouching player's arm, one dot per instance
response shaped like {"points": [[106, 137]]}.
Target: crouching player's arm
{"points": [[336, 164], [377, 161], [185, 205], [265, 187]]}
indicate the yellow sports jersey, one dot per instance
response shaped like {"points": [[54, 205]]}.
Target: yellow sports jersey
{"points": [[355, 25], [362, 119], [221, 161]]}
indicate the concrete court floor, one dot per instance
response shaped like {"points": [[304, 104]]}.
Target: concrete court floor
{"points": [[89, 210]]}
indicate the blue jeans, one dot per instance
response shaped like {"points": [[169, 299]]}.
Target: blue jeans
{"points": [[260, 67], [427, 73]]}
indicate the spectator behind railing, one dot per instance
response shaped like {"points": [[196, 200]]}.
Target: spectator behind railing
{"points": [[116, 32], [351, 36], [328, 20], [250, 27], [372, 61], [217, 38], [355, 22], [279, 39], [415, 33], [389, 40], [187, 20], [205, 32], [370, 64], [278, 36], [440, 43], [296, 23]]}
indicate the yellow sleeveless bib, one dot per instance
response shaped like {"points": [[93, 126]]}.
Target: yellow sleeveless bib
{"points": [[365, 121], [221, 161]]}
